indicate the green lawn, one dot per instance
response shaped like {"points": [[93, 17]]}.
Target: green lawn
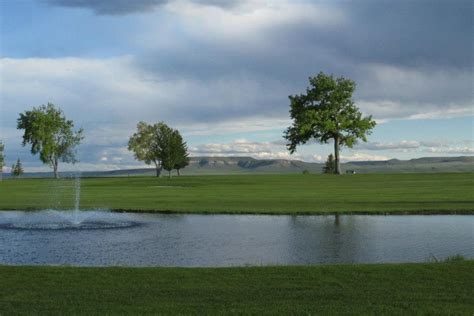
{"points": [[278, 194], [404, 289]]}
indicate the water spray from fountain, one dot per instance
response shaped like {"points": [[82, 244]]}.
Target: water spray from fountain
{"points": [[78, 191], [77, 200], [66, 219]]}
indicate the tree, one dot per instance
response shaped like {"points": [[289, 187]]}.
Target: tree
{"points": [[168, 152], [159, 144], [149, 142], [329, 165], [182, 156], [175, 155], [2, 159], [326, 112], [50, 134], [17, 169]]}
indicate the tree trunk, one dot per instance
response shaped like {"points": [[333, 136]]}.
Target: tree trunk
{"points": [[55, 168], [158, 169], [337, 169], [169, 174], [177, 170]]}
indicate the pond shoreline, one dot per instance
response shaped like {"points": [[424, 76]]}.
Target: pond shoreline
{"points": [[274, 213]]}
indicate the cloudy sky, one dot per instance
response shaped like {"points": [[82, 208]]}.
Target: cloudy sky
{"points": [[221, 71]]}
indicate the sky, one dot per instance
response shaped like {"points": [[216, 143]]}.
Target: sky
{"points": [[221, 72]]}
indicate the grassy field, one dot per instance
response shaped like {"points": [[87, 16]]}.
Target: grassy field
{"points": [[404, 289], [278, 194]]}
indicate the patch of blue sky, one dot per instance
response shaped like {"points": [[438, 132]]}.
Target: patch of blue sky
{"points": [[452, 129], [33, 29]]}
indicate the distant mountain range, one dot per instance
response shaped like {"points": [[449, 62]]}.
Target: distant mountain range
{"points": [[247, 165]]}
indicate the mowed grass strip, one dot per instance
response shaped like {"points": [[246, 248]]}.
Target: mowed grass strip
{"points": [[404, 289], [274, 194]]}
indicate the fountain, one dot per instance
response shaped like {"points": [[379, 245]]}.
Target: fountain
{"points": [[77, 186], [66, 219]]}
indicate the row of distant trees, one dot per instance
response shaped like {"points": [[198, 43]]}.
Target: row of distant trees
{"points": [[53, 137], [324, 113]]}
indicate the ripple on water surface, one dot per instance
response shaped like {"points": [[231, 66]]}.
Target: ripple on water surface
{"points": [[102, 238], [64, 220]]}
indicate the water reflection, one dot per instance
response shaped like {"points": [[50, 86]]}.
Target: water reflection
{"points": [[231, 240]]}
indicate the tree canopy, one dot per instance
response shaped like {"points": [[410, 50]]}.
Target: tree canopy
{"points": [[174, 154], [182, 157], [326, 112], [50, 134], [158, 144]]}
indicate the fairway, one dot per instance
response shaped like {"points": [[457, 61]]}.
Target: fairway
{"points": [[430, 288], [260, 194]]}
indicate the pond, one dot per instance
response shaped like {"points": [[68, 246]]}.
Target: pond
{"points": [[101, 238]]}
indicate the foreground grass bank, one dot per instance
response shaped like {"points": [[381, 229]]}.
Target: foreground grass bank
{"points": [[431, 288], [277, 194]]}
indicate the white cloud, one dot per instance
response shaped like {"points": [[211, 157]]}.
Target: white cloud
{"points": [[252, 19], [319, 158], [239, 146], [250, 124], [450, 111], [439, 146], [391, 92], [243, 147], [450, 150], [404, 144], [359, 156]]}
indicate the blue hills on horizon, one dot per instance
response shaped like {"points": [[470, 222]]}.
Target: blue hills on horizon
{"points": [[248, 165]]}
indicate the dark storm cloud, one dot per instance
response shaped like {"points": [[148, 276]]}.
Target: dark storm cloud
{"points": [[110, 7], [408, 52], [123, 7], [402, 33], [409, 32]]}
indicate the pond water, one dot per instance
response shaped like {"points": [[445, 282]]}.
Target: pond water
{"points": [[100, 238]]}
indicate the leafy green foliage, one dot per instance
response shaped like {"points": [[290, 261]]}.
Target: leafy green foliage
{"points": [[330, 165], [326, 112], [50, 134], [158, 144], [17, 169], [182, 156], [175, 154]]}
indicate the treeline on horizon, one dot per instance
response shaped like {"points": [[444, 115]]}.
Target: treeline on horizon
{"points": [[326, 112]]}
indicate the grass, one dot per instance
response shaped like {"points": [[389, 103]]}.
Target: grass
{"points": [[404, 289], [429, 288], [270, 194]]}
